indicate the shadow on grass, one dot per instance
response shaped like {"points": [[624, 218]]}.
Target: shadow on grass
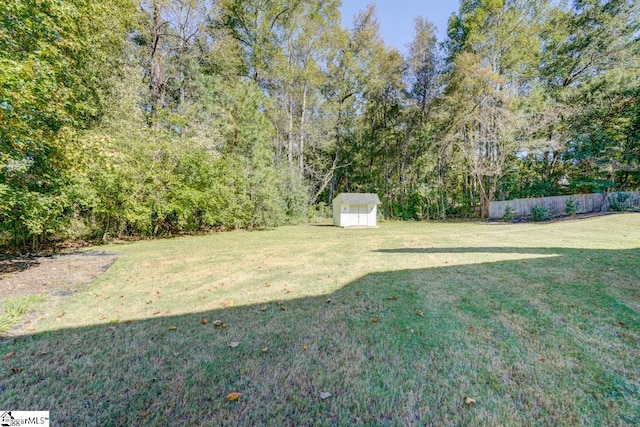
{"points": [[554, 341]]}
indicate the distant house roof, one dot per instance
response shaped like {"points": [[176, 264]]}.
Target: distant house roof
{"points": [[359, 198]]}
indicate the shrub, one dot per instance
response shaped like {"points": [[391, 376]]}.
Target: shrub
{"points": [[571, 206], [509, 214], [540, 213], [619, 201]]}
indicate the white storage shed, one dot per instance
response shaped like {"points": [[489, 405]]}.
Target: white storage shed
{"points": [[355, 210]]}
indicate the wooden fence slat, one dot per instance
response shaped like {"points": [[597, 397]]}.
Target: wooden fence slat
{"points": [[587, 203]]}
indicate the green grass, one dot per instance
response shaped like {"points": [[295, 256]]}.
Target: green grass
{"points": [[537, 322], [13, 309]]}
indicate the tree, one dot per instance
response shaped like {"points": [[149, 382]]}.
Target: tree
{"points": [[54, 60]]}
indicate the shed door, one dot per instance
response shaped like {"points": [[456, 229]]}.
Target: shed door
{"points": [[363, 215]]}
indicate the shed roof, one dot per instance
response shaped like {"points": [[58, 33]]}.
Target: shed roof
{"points": [[359, 198]]}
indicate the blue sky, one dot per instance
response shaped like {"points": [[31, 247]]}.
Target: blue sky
{"points": [[396, 17]]}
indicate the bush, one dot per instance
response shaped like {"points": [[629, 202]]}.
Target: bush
{"points": [[509, 214], [619, 201], [571, 206], [540, 213]]}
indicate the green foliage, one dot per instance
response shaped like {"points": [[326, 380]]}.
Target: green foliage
{"points": [[54, 58], [619, 201], [540, 213], [571, 206], [509, 214]]}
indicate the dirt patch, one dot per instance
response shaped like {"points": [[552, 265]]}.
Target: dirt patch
{"points": [[54, 275]]}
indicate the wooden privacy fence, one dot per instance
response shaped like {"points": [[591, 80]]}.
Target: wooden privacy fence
{"points": [[595, 202]]}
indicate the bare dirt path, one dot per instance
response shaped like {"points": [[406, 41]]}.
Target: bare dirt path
{"points": [[54, 276]]}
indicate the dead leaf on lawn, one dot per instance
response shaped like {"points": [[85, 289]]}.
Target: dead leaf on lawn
{"points": [[304, 347], [233, 396], [469, 401], [265, 350], [9, 355], [375, 318], [173, 328], [204, 320], [541, 359], [358, 293], [16, 370], [325, 395], [283, 308], [393, 297], [44, 351], [156, 312], [60, 316], [328, 301], [77, 341], [234, 344], [419, 313], [263, 308]]}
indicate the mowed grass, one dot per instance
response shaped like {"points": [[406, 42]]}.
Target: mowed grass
{"points": [[539, 323]]}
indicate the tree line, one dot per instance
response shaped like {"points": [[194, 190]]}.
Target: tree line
{"points": [[152, 117]]}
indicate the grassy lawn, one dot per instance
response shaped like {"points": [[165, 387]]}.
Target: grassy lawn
{"points": [[539, 323]]}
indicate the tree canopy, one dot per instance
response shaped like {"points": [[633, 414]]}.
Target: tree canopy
{"points": [[154, 117]]}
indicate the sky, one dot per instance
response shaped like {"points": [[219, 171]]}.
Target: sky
{"points": [[396, 17]]}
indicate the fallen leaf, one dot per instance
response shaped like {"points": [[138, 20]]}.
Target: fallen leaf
{"points": [[61, 315], [375, 318], [204, 320], [44, 351], [419, 313], [218, 324], [541, 359], [620, 323], [283, 308], [469, 401], [265, 350], [156, 312], [393, 297], [304, 347], [149, 302], [328, 301], [325, 395], [173, 328], [9, 355], [234, 344], [358, 293], [16, 370], [263, 308], [77, 341], [128, 321], [233, 396]]}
